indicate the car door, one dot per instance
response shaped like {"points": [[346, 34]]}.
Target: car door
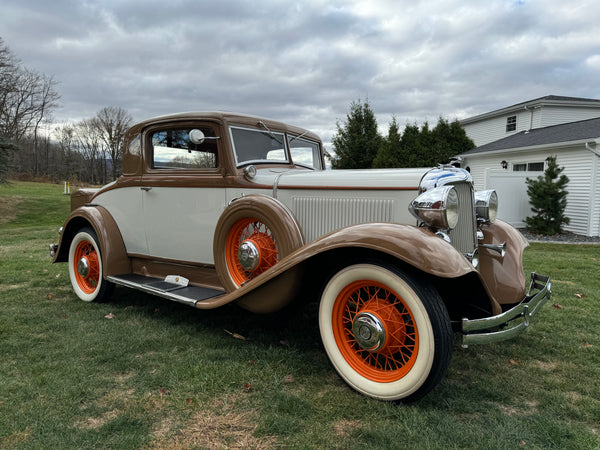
{"points": [[183, 191]]}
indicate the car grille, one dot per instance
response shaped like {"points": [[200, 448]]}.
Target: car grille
{"points": [[464, 235]]}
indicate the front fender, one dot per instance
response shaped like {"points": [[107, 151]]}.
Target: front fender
{"points": [[415, 246], [503, 277], [114, 255]]}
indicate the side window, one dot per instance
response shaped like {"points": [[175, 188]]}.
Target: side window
{"points": [[173, 149]]}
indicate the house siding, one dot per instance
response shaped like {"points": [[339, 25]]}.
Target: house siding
{"points": [[581, 166], [556, 115], [493, 129], [578, 167], [595, 188]]}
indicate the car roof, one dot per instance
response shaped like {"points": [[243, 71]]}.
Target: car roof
{"points": [[230, 118]]}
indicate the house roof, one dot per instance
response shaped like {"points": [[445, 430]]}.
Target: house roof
{"points": [[555, 134], [548, 100]]}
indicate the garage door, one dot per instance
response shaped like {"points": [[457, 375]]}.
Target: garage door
{"points": [[513, 201]]}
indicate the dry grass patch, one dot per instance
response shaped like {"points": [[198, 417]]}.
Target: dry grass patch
{"points": [[9, 208], [93, 423], [343, 428], [220, 425], [546, 365], [15, 439], [529, 407]]}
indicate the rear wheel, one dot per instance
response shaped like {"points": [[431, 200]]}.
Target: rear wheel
{"points": [[85, 268], [388, 335]]}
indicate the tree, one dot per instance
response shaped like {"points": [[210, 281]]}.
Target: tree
{"points": [[356, 142], [548, 199], [448, 140], [7, 150], [27, 99], [112, 124], [89, 145], [424, 146], [390, 153], [26, 96]]}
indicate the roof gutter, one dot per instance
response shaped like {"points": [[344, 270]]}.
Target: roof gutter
{"points": [[593, 149], [537, 147]]}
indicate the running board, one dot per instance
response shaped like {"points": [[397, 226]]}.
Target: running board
{"points": [[188, 295]]}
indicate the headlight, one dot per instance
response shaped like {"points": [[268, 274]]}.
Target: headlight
{"points": [[486, 205], [437, 207]]}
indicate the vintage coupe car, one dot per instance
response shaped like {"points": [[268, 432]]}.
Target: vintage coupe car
{"points": [[214, 208]]}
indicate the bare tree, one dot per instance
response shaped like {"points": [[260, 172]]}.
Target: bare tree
{"points": [[27, 98], [67, 143], [113, 122], [90, 142]]}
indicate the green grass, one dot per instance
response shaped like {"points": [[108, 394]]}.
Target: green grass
{"points": [[160, 374]]}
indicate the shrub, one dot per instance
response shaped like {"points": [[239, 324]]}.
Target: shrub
{"points": [[548, 199]]}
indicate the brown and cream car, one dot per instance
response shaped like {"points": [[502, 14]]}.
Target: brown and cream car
{"points": [[215, 208]]}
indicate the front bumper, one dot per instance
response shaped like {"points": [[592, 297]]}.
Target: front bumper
{"points": [[500, 327]]}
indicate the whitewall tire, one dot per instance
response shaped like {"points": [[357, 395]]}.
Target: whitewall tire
{"points": [[388, 335]]}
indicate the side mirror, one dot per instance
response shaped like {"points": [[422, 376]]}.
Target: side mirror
{"points": [[196, 136]]}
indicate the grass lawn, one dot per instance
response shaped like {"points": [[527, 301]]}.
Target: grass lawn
{"points": [[143, 372]]}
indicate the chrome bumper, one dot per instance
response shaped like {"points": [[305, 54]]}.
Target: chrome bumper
{"points": [[499, 328], [53, 249]]}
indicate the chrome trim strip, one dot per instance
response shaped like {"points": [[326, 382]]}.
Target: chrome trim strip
{"points": [[484, 330], [276, 184]]}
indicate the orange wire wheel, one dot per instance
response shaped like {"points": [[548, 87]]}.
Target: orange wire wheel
{"points": [[387, 333], [375, 331], [85, 267], [250, 250], [252, 235]]}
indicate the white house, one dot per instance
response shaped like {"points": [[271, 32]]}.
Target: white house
{"points": [[514, 142]]}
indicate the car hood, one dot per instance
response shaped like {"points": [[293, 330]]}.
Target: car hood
{"points": [[360, 179]]}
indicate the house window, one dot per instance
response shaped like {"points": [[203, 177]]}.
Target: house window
{"points": [[529, 167], [511, 123], [535, 167]]}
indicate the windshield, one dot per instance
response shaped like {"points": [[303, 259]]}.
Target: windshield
{"points": [[252, 146], [305, 153]]}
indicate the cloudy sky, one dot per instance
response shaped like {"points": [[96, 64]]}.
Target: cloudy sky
{"points": [[304, 62]]}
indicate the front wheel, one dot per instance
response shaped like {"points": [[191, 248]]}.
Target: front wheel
{"points": [[387, 334], [85, 268]]}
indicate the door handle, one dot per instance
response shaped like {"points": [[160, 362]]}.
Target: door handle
{"points": [[146, 188]]}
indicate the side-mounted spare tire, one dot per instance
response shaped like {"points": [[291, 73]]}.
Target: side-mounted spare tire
{"points": [[252, 235]]}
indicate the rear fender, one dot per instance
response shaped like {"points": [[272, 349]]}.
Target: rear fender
{"points": [[114, 255]]}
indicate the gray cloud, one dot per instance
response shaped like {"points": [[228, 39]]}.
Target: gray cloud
{"points": [[304, 62]]}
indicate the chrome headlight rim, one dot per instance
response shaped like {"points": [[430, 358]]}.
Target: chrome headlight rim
{"points": [[438, 208], [486, 205]]}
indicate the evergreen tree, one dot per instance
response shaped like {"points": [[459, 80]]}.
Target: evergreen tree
{"points": [[357, 141], [411, 143], [390, 153], [448, 140], [548, 199]]}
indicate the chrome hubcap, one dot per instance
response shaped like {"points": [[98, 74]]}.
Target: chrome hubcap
{"points": [[369, 332], [83, 267], [248, 256]]}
